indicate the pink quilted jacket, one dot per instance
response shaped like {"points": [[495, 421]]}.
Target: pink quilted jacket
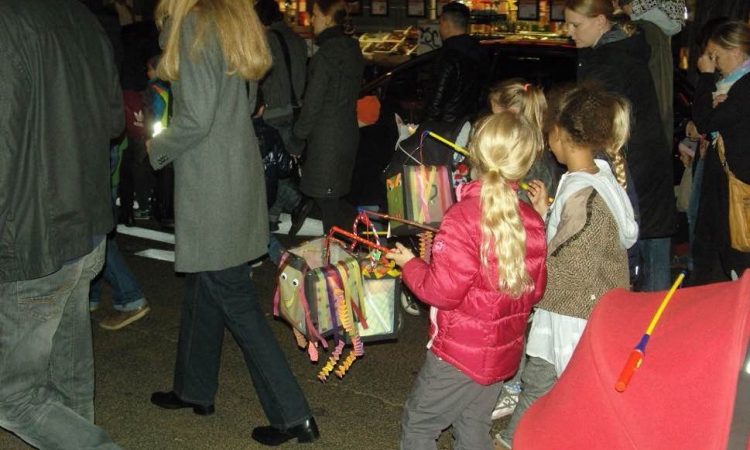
{"points": [[474, 327]]}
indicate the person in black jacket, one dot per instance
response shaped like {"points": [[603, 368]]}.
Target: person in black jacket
{"points": [[61, 104], [722, 107], [456, 82], [328, 120], [614, 53]]}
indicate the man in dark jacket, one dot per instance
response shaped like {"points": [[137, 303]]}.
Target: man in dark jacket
{"points": [[60, 103], [456, 81]]}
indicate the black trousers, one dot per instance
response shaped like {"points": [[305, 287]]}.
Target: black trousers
{"points": [[228, 299]]}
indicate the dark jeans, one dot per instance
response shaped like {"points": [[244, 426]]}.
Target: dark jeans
{"points": [[46, 358], [227, 298]]}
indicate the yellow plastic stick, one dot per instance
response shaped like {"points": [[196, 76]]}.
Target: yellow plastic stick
{"points": [[664, 303], [445, 141]]}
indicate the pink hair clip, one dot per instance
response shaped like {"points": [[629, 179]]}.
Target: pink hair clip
{"points": [[526, 87]]}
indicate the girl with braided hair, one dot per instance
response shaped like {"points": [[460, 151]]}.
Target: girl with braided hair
{"points": [[590, 226], [485, 274]]}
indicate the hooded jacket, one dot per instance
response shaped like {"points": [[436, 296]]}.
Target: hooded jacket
{"points": [[620, 64], [590, 226], [473, 326]]}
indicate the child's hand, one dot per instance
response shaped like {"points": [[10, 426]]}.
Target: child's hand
{"points": [[400, 255], [538, 196]]}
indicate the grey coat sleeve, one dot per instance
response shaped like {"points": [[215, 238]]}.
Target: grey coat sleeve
{"points": [[197, 93]]}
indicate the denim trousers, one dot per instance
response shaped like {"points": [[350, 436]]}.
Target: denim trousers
{"points": [[126, 292], [47, 369], [227, 298], [656, 268]]}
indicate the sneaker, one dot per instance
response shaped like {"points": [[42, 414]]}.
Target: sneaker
{"points": [[410, 305], [501, 443], [121, 319], [505, 405]]}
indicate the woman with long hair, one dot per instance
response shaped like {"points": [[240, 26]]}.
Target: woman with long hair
{"points": [[214, 54], [722, 108]]}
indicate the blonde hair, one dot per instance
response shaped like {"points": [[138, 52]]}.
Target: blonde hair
{"points": [[519, 96], [593, 8], [595, 119], [239, 31], [503, 148], [731, 35]]}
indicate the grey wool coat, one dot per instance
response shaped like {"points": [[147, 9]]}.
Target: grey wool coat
{"points": [[221, 218], [328, 120]]}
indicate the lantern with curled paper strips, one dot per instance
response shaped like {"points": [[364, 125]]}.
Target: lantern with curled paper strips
{"points": [[320, 294], [305, 290]]}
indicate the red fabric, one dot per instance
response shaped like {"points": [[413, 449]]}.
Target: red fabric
{"points": [[134, 115], [477, 329], [368, 109], [682, 396]]}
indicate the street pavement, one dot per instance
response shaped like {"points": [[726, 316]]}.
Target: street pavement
{"points": [[362, 411]]}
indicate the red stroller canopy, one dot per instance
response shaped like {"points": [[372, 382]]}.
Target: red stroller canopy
{"points": [[682, 396]]}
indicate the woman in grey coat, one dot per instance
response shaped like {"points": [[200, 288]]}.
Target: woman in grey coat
{"points": [[220, 209], [328, 120]]}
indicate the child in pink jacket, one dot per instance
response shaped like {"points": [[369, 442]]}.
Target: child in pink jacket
{"points": [[486, 272]]}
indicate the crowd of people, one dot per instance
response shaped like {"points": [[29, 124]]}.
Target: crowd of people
{"points": [[230, 86]]}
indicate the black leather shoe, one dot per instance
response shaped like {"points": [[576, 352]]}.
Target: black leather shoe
{"points": [[170, 400], [305, 432], [299, 215]]}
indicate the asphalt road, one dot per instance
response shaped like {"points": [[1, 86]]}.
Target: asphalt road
{"points": [[362, 411]]}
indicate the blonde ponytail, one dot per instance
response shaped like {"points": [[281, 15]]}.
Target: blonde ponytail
{"points": [[503, 148]]}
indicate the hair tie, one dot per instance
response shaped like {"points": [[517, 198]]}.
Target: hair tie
{"points": [[526, 87]]}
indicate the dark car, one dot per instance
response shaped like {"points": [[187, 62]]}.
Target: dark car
{"points": [[542, 62]]}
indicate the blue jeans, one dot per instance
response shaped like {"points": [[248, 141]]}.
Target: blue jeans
{"points": [[656, 268], [227, 298], [126, 293], [47, 369]]}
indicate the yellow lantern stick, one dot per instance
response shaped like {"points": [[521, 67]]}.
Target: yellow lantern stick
{"points": [[638, 353], [450, 144]]}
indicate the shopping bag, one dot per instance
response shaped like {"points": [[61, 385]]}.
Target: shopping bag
{"points": [[421, 194]]}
